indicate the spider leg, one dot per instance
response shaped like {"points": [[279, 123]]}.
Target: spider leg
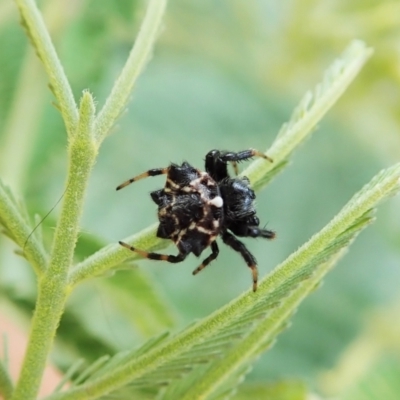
{"points": [[211, 257], [238, 246], [156, 256], [150, 172], [255, 231], [252, 231], [216, 161], [243, 155]]}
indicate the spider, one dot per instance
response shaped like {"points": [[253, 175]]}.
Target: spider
{"points": [[196, 207]]}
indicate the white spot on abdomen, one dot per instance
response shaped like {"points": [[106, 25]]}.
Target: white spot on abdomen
{"points": [[217, 202]]}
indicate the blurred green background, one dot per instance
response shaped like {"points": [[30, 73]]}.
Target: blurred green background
{"points": [[224, 75]]}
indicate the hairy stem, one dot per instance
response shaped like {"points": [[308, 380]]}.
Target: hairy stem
{"points": [[53, 284], [137, 59], [41, 40]]}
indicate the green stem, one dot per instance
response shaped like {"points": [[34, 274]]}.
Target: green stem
{"points": [[19, 134], [53, 288], [41, 40], [114, 255], [137, 59]]}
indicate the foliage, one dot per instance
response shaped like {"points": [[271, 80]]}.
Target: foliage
{"points": [[209, 358]]}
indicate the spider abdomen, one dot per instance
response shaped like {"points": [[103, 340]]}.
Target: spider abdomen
{"points": [[189, 208]]}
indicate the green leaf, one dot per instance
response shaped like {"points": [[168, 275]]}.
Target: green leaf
{"points": [[13, 218], [137, 60], [283, 390], [310, 111], [253, 317]]}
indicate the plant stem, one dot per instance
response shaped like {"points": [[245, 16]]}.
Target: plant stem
{"points": [[53, 288], [137, 59], [41, 40], [114, 255]]}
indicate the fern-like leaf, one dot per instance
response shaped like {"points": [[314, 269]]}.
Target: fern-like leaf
{"points": [[313, 106]]}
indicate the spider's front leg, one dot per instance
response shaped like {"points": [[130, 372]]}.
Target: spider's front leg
{"points": [[238, 246], [216, 161], [150, 172], [156, 256], [242, 155]]}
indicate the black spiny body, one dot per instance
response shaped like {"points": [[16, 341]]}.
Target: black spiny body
{"points": [[196, 207]]}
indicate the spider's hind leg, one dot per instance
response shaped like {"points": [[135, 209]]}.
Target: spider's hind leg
{"points": [[238, 246], [150, 172], [156, 256], [211, 257]]}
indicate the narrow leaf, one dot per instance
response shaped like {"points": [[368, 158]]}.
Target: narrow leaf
{"points": [[17, 227], [310, 111], [283, 390]]}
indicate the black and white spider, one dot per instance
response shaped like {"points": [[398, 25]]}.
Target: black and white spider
{"points": [[195, 207]]}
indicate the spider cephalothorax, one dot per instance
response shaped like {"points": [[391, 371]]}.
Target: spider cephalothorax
{"points": [[196, 207]]}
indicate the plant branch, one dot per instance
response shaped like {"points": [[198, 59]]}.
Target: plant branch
{"points": [[113, 255], [53, 284], [40, 38], [18, 228], [137, 59]]}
